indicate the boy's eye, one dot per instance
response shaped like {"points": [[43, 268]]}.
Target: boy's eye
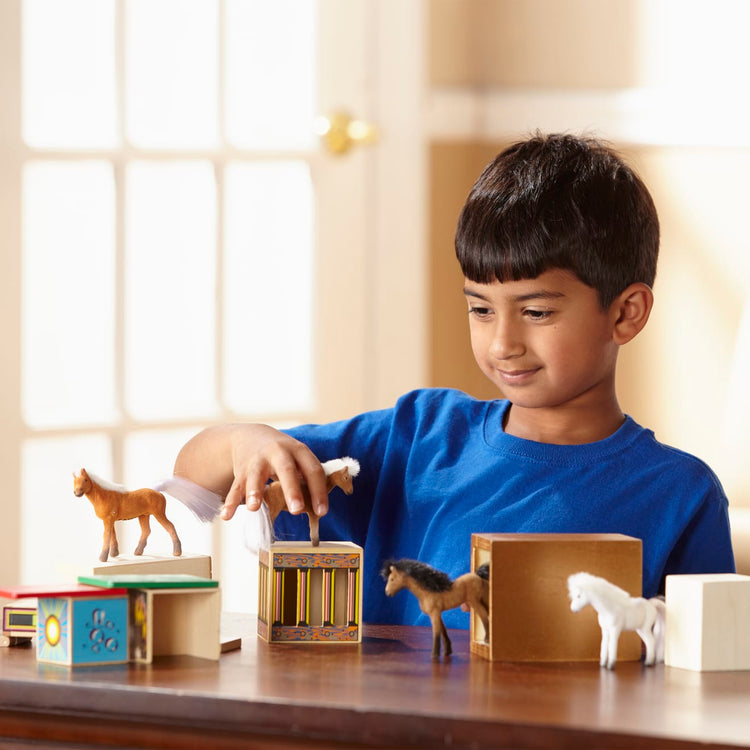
{"points": [[537, 314], [479, 312]]}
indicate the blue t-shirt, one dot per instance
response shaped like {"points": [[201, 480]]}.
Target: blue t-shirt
{"points": [[438, 467]]}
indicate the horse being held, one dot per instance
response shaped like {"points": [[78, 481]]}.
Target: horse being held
{"points": [[339, 473], [618, 611], [114, 503], [436, 592]]}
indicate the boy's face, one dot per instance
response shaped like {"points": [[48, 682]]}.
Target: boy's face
{"points": [[544, 342]]}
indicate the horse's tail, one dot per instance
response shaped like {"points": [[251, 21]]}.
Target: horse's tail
{"points": [[259, 532], [483, 571], [660, 627], [204, 504]]}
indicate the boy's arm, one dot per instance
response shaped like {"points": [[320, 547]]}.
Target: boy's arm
{"points": [[706, 544], [236, 461]]}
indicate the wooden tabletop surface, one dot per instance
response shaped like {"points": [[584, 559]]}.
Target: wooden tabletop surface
{"points": [[384, 692]]}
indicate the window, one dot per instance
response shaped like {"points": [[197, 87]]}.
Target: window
{"points": [[167, 144]]}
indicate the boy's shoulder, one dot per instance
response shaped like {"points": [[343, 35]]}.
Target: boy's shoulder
{"points": [[449, 402], [653, 456]]}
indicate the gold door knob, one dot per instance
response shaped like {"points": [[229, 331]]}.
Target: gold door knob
{"points": [[339, 132]]}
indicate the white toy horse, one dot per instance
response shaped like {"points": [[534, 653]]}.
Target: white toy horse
{"points": [[619, 611]]}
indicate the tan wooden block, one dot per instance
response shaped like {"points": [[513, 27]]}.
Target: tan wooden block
{"points": [[175, 622], [708, 622], [310, 594], [530, 616], [194, 565]]}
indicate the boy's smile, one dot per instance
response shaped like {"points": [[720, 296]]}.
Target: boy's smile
{"points": [[548, 346]]}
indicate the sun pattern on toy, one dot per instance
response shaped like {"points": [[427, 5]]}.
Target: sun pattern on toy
{"points": [[53, 627], [52, 630]]}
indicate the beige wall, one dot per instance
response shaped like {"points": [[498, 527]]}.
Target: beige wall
{"points": [[570, 44]]}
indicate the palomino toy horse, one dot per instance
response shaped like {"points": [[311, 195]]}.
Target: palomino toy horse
{"points": [[436, 592], [618, 611], [339, 473], [113, 503]]}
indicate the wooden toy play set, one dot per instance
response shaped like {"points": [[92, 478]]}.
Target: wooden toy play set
{"points": [[532, 597], [530, 615], [116, 619], [310, 594], [707, 622], [19, 625]]}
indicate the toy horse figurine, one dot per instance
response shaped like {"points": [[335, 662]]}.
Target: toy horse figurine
{"points": [[618, 611], [436, 592], [339, 473], [114, 503]]}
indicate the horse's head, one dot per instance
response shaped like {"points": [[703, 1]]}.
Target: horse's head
{"points": [[81, 483], [394, 578], [341, 472], [345, 481], [577, 592]]}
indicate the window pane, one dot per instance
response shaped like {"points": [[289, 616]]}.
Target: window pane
{"points": [[69, 73], [270, 73], [268, 287], [68, 287], [170, 289], [61, 536], [171, 73], [149, 458]]}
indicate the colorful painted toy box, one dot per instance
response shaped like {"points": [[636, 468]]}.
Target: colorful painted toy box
{"points": [[78, 625]]}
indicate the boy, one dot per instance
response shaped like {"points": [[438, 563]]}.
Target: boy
{"points": [[558, 243]]}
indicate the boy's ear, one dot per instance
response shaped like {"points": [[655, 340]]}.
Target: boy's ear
{"points": [[631, 311]]}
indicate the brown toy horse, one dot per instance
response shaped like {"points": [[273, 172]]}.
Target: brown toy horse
{"points": [[339, 473], [112, 503], [436, 592]]}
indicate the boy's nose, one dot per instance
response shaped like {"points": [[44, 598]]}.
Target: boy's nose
{"points": [[506, 342]]}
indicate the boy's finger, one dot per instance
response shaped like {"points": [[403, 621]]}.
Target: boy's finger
{"points": [[234, 497], [254, 498], [290, 485], [316, 483]]}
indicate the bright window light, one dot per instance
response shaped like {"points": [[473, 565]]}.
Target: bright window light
{"points": [[171, 73], [270, 73], [170, 227], [268, 287], [68, 293], [61, 536], [69, 74]]}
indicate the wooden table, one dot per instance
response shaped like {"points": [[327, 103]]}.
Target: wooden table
{"points": [[385, 692]]}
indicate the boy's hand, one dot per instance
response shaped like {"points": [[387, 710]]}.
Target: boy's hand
{"points": [[260, 453]]}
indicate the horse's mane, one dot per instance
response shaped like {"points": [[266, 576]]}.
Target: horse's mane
{"points": [[336, 464], [105, 485], [425, 575], [591, 583]]}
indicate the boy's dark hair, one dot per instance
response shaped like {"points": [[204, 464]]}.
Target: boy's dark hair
{"points": [[559, 201]]}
